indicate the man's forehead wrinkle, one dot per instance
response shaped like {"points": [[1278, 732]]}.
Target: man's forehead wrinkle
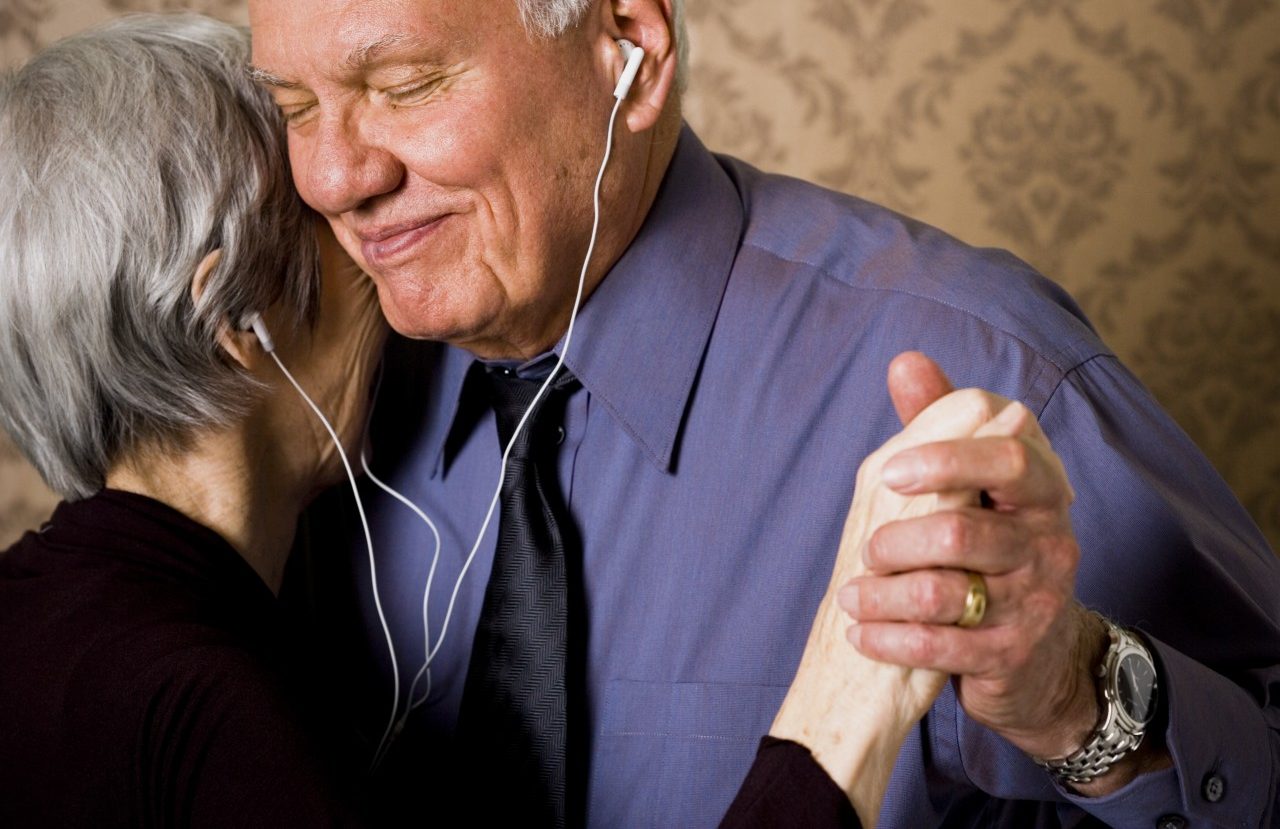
{"points": [[411, 46]]}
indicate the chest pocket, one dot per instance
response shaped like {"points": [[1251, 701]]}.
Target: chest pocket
{"points": [[674, 754]]}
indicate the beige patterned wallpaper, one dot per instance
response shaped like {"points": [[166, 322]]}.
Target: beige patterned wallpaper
{"points": [[1127, 148]]}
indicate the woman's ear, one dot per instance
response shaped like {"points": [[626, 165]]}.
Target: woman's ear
{"points": [[650, 25], [241, 346]]}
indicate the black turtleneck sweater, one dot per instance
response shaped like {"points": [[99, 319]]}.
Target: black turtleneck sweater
{"points": [[148, 678]]}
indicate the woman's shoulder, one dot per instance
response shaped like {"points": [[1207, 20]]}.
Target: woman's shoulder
{"points": [[211, 717], [151, 712], [132, 688]]}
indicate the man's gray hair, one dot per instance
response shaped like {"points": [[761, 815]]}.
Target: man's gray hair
{"points": [[130, 152], [552, 18]]}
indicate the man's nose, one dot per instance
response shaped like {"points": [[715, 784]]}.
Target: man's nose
{"points": [[347, 169]]}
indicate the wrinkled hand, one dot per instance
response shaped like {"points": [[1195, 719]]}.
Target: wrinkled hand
{"points": [[853, 712], [1025, 670]]}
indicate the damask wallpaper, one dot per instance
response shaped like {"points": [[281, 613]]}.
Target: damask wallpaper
{"points": [[1129, 150]]}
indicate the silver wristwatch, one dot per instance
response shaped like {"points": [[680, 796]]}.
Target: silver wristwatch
{"points": [[1127, 681]]}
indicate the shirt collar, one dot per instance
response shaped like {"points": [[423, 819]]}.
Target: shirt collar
{"points": [[640, 338]]}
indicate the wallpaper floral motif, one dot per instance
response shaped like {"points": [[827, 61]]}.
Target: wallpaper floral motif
{"points": [[1128, 150]]}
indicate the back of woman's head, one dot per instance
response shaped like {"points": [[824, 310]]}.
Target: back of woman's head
{"points": [[131, 152]]}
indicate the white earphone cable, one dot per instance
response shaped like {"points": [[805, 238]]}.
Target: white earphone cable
{"points": [[435, 560], [410, 702], [368, 539], [398, 721], [568, 338]]}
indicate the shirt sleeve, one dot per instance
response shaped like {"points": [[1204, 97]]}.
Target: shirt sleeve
{"points": [[787, 788], [1224, 771], [1167, 549], [220, 744]]}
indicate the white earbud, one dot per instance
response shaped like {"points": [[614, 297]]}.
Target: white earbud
{"points": [[260, 329], [635, 56]]}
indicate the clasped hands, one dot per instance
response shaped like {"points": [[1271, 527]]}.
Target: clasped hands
{"points": [[970, 485]]}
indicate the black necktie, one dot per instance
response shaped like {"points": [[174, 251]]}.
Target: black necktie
{"points": [[514, 721]]}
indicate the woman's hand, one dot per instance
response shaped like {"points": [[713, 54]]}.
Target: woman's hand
{"points": [[852, 712]]}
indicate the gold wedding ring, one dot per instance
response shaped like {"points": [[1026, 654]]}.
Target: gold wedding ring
{"points": [[975, 601]]}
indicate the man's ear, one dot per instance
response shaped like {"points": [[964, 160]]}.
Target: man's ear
{"points": [[241, 346], [649, 24]]}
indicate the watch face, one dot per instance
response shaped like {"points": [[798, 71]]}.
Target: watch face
{"points": [[1136, 686]]}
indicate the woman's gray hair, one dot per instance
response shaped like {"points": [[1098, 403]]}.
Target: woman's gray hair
{"points": [[130, 152], [552, 18]]}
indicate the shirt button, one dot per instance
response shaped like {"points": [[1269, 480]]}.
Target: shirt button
{"points": [[1214, 788], [559, 435], [1172, 822]]}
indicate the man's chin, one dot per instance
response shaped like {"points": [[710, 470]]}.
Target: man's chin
{"points": [[411, 313], [423, 319], [476, 324], [413, 328]]}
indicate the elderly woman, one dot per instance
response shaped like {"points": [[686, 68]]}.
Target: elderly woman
{"points": [[149, 677], [148, 214]]}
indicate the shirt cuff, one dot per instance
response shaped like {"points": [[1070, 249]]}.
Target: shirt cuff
{"points": [[1224, 771]]}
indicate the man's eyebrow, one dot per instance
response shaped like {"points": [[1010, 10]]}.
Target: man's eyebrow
{"points": [[265, 78], [362, 56], [357, 59]]}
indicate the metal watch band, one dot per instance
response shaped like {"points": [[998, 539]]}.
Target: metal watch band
{"points": [[1093, 760], [1116, 735]]}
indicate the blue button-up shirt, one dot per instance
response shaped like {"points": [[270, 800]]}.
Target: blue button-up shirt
{"points": [[733, 378]]}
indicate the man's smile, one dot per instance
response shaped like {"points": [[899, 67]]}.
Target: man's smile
{"points": [[390, 245]]}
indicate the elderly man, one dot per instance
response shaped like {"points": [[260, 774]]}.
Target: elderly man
{"points": [[687, 476]]}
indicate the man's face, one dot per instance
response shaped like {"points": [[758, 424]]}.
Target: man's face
{"points": [[452, 154]]}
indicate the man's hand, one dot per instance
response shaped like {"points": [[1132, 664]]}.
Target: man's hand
{"points": [[850, 711], [1026, 670]]}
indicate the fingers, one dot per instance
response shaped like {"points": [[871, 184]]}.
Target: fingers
{"points": [[935, 597], [915, 382], [1008, 638], [1013, 463], [916, 583], [978, 652], [907, 610], [958, 415], [964, 539], [1010, 470]]}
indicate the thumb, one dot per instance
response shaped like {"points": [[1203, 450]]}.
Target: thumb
{"points": [[915, 383]]}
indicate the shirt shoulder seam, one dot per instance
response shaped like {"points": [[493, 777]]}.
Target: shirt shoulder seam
{"points": [[1056, 358]]}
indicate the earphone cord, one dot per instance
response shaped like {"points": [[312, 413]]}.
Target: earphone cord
{"points": [[368, 540], [395, 725], [411, 704], [568, 338], [435, 560]]}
